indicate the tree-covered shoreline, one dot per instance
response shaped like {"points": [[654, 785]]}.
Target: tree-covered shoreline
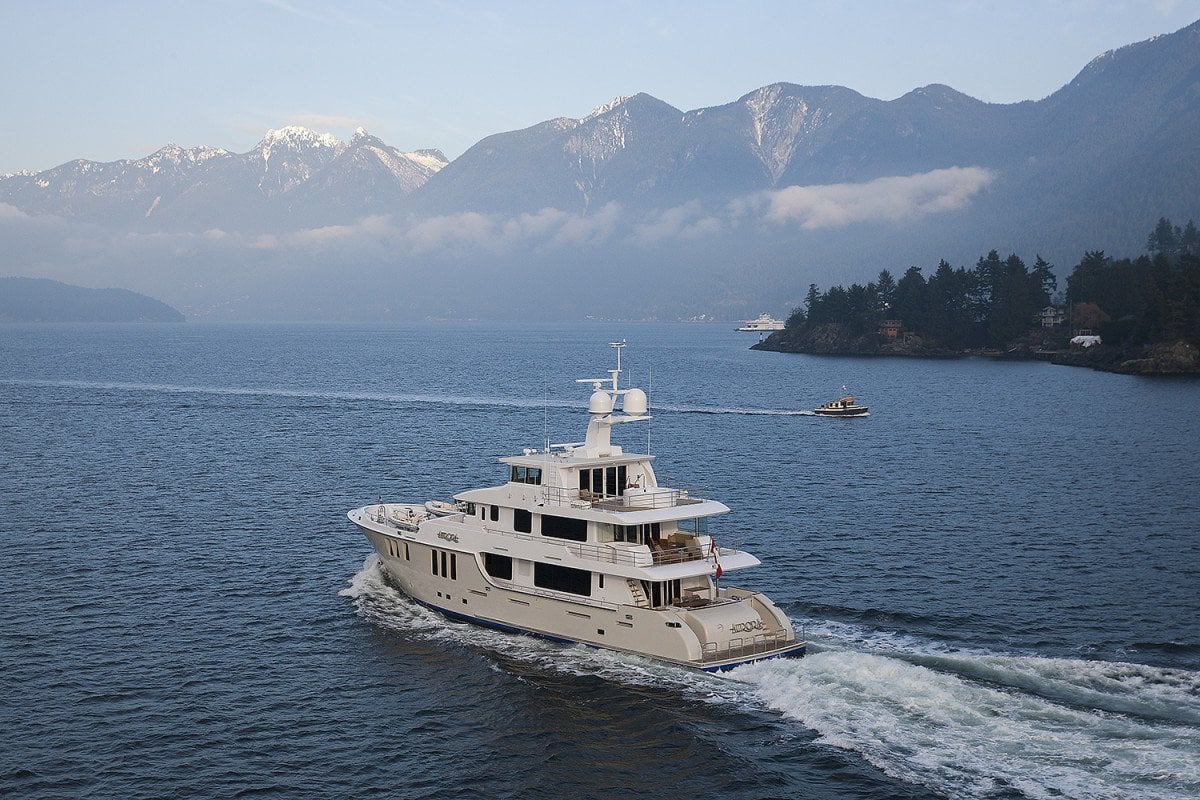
{"points": [[1146, 311]]}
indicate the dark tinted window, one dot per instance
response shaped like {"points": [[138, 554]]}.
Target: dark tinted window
{"points": [[562, 579], [498, 566], [563, 528]]}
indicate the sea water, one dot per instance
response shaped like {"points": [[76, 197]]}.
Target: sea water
{"points": [[997, 570]]}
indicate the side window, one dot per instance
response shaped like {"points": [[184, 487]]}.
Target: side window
{"points": [[498, 566], [522, 520], [495, 513], [564, 528]]}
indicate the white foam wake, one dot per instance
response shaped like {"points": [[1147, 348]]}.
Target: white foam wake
{"points": [[970, 738], [970, 725], [235, 391], [383, 397]]}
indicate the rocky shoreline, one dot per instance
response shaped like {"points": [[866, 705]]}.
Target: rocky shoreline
{"points": [[1168, 358]]}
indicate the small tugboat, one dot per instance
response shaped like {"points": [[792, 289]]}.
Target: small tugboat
{"points": [[580, 544], [844, 406]]}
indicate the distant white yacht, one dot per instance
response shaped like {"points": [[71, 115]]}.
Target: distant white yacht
{"points": [[764, 322], [581, 544]]}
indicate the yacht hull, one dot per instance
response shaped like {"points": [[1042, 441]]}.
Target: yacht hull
{"points": [[462, 590]]}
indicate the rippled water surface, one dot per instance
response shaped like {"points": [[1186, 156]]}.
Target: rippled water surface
{"points": [[997, 570]]}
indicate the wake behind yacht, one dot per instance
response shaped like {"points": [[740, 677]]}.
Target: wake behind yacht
{"points": [[581, 544]]}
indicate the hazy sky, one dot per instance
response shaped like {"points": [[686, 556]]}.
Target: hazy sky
{"points": [[120, 78]]}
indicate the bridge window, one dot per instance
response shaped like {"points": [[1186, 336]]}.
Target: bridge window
{"points": [[607, 481], [531, 475]]}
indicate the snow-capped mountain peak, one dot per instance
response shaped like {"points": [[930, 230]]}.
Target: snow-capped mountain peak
{"points": [[298, 136], [607, 107]]}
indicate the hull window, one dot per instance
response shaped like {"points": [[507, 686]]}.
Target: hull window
{"points": [[562, 579], [449, 564], [498, 566]]}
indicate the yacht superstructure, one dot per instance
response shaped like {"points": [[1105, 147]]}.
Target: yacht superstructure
{"points": [[763, 322], [581, 544]]}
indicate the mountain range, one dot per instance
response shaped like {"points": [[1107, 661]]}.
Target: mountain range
{"points": [[639, 210]]}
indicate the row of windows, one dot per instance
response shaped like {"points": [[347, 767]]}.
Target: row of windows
{"points": [[638, 534], [661, 593], [526, 475], [545, 576], [575, 530], [395, 549], [556, 527], [575, 581], [606, 481], [446, 559]]}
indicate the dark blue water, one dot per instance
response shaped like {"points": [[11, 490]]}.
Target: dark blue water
{"points": [[998, 570]]}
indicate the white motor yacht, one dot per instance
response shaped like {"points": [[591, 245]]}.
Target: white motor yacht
{"points": [[763, 322], [579, 543]]}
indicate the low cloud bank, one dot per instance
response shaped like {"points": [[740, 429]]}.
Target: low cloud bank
{"points": [[890, 199]]}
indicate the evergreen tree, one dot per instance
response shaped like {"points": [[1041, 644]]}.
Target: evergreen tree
{"points": [[1044, 272], [1189, 240], [885, 286], [910, 302], [1164, 238]]}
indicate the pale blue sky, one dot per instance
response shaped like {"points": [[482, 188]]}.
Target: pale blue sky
{"points": [[119, 79]]}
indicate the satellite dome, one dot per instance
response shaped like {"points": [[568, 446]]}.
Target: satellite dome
{"points": [[635, 402], [600, 403]]}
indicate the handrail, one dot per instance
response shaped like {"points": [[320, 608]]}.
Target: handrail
{"points": [[639, 501], [757, 645]]}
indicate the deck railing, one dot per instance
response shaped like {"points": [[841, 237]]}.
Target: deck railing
{"points": [[741, 647], [637, 501]]}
